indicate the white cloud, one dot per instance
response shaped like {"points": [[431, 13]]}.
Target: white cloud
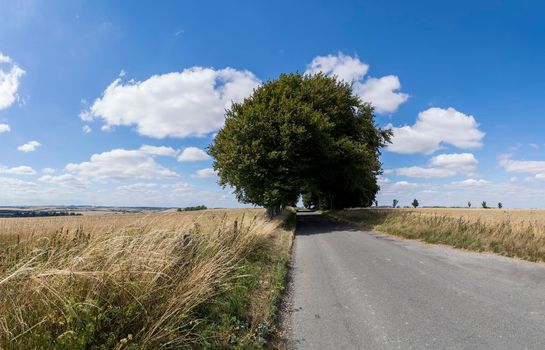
{"points": [[29, 146], [416, 171], [68, 180], [204, 173], [86, 129], [178, 104], [10, 75], [441, 166], [120, 164], [404, 185], [4, 128], [540, 177], [48, 170], [138, 187], [159, 150], [458, 161], [344, 67], [435, 127], [19, 170], [470, 183], [522, 166], [382, 92], [190, 154], [14, 188], [535, 167]]}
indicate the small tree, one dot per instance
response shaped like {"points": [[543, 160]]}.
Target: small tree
{"points": [[483, 204], [415, 203], [469, 204], [394, 203], [500, 205]]}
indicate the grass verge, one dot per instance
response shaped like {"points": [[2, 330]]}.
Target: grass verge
{"points": [[525, 240], [178, 280]]}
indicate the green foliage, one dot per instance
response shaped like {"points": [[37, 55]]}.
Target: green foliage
{"points": [[394, 203], [198, 207], [483, 204], [303, 135], [415, 203], [469, 204], [500, 205]]}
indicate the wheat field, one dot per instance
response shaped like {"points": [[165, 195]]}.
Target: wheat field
{"points": [[512, 232], [515, 216], [140, 280]]}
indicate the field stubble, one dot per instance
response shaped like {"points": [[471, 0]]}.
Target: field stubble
{"points": [[175, 280]]}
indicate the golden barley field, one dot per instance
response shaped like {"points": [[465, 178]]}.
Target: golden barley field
{"points": [[176, 280], [511, 232], [514, 216]]}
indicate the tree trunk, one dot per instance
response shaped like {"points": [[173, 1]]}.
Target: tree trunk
{"points": [[274, 210]]}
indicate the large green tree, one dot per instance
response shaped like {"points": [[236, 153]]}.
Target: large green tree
{"points": [[300, 135]]}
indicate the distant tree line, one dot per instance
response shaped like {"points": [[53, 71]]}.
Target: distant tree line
{"points": [[198, 207], [34, 213]]}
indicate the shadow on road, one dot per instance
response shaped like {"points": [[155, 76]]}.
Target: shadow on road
{"points": [[312, 223]]}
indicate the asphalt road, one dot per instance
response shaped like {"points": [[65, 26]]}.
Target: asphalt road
{"points": [[359, 290]]}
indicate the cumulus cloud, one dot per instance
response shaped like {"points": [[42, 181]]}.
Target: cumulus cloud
{"points": [[68, 180], [114, 165], [535, 167], [29, 146], [120, 164], [344, 67], [434, 128], [10, 76], [14, 188], [382, 92], [458, 161], [138, 187], [86, 129], [422, 172], [522, 166], [470, 183], [4, 128], [19, 170], [204, 173], [404, 185], [441, 166], [191, 154], [159, 150], [178, 104]]}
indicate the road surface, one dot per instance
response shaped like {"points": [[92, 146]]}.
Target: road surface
{"points": [[360, 290]]}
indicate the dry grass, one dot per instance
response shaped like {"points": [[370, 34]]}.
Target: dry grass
{"points": [[492, 216], [175, 280], [517, 233]]}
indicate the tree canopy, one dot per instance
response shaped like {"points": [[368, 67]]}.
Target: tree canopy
{"points": [[301, 135]]}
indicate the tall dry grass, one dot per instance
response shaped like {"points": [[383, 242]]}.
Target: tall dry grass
{"points": [[514, 233], [133, 281]]}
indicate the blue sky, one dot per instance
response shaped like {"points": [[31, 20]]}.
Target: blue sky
{"points": [[87, 86]]}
